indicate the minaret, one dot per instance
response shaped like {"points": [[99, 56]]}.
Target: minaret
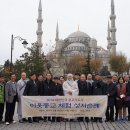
{"points": [[108, 37], [39, 31], [113, 29], [57, 33]]}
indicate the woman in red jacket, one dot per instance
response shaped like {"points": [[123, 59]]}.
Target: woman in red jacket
{"points": [[121, 104]]}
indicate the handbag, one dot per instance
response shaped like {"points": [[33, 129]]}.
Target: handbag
{"points": [[127, 98]]}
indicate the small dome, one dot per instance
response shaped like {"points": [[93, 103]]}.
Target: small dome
{"points": [[76, 45]]}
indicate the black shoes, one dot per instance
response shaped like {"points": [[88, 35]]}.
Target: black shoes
{"points": [[86, 119], [30, 121], [21, 121]]}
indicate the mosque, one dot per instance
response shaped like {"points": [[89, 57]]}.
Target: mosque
{"points": [[78, 43]]}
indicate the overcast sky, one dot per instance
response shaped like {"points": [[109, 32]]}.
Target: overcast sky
{"points": [[19, 17]]}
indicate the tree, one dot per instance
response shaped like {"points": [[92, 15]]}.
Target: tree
{"points": [[127, 67], [32, 61], [118, 63], [95, 65], [75, 64], [86, 66]]}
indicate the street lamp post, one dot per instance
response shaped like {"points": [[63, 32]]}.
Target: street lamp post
{"points": [[12, 46]]}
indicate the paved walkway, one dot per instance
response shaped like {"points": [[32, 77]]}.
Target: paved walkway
{"points": [[66, 126]]}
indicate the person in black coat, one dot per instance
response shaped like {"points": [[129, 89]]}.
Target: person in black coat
{"points": [[48, 90], [57, 91], [84, 89], [127, 82], [40, 85], [111, 93], [98, 88], [31, 89], [114, 80]]}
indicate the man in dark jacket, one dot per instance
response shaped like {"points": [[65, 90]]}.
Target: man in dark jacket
{"points": [[31, 89], [49, 86], [111, 93], [40, 85], [127, 82], [98, 88], [84, 89], [114, 80], [57, 91]]}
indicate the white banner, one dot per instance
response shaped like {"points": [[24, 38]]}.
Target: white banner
{"points": [[62, 106]]}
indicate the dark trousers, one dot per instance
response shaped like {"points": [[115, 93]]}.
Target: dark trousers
{"points": [[10, 108], [129, 113], [1, 111], [97, 119], [35, 119], [116, 113], [57, 119], [110, 113]]}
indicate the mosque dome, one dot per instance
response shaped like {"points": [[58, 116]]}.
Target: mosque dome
{"points": [[79, 36]]}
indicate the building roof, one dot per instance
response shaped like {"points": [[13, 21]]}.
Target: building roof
{"points": [[76, 45], [78, 34]]}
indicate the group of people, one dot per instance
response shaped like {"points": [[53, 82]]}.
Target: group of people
{"points": [[116, 88]]}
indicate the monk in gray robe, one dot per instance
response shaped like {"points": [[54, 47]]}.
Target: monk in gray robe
{"points": [[21, 84]]}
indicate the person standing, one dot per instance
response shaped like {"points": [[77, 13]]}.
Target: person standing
{"points": [[2, 96], [31, 89], [120, 99], [127, 82], [48, 90], [70, 87], [57, 91], [111, 93], [84, 90], [89, 78], [98, 88], [10, 98], [114, 80], [62, 79], [40, 85], [21, 84], [77, 77]]}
